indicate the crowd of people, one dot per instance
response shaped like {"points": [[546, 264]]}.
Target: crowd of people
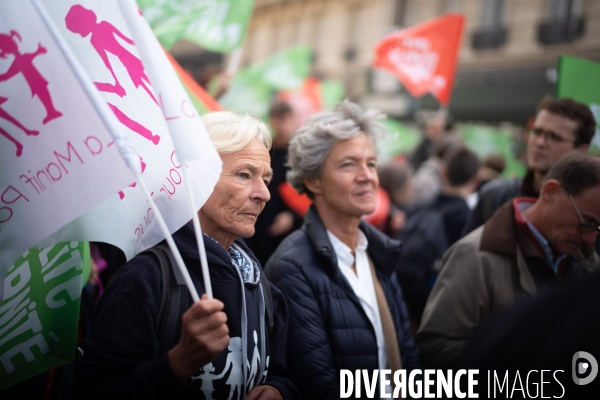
{"points": [[304, 286]]}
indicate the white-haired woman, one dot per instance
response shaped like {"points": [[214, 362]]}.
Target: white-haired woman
{"points": [[336, 272], [233, 347]]}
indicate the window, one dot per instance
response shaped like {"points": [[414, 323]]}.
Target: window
{"points": [[451, 5], [399, 12], [563, 23], [562, 9], [491, 32], [491, 13]]}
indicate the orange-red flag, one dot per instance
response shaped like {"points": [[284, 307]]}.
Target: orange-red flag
{"points": [[424, 57]]}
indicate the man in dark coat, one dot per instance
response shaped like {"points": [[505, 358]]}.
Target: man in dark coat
{"points": [[526, 247]]}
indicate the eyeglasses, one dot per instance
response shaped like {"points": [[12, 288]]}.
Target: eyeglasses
{"points": [[549, 136], [584, 227]]}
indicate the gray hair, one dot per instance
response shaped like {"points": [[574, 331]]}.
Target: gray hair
{"points": [[313, 142], [230, 132]]}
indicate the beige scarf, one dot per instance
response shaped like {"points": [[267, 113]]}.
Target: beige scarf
{"points": [[389, 331]]}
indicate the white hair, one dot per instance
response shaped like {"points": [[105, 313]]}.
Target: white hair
{"points": [[230, 132], [313, 142]]}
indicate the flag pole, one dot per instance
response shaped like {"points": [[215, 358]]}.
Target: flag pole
{"points": [[199, 237], [234, 61], [165, 231]]}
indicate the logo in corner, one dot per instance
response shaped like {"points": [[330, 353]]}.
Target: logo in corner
{"points": [[584, 363]]}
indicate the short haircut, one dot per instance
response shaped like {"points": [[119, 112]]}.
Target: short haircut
{"points": [[578, 112], [393, 176], [576, 172], [446, 145], [280, 109], [231, 132], [312, 143], [495, 162], [462, 165]]}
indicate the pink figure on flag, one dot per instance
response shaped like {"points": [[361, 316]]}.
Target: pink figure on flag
{"points": [[5, 115], [84, 22], [133, 125], [23, 63]]}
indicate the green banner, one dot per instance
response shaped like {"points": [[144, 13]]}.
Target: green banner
{"points": [[485, 140], [253, 87], [332, 92], [579, 79], [248, 93], [39, 310], [287, 69], [216, 25], [401, 140]]}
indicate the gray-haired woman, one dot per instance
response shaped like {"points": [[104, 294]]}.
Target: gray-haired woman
{"points": [[233, 347], [346, 308]]}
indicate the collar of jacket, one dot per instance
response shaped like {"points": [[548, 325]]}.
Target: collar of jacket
{"points": [[501, 234], [384, 251], [216, 255]]}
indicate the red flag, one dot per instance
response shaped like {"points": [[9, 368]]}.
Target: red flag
{"points": [[424, 57]]}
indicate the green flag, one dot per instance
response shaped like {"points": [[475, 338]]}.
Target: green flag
{"points": [[39, 310], [402, 140], [216, 25], [332, 92], [253, 87], [248, 93], [485, 140], [287, 69], [579, 79]]}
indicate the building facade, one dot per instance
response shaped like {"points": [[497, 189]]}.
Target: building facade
{"points": [[507, 60]]}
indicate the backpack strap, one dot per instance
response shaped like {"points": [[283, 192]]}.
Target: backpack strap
{"points": [[175, 299], [179, 304]]}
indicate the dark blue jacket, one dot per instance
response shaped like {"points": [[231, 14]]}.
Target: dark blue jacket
{"points": [[122, 357], [328, 328]]}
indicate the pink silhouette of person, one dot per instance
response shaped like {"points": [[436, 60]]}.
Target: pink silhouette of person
{"points": [[23, 63], [84, 22], [5, 115]]}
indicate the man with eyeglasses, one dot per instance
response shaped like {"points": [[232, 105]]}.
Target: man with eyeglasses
{"points": [[525, 248], [561, 126]]}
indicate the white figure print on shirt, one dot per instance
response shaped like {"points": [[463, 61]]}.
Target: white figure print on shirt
{"points": [[207, 387], [234, 362], [233, 365], [233, 370], [254, 365]]}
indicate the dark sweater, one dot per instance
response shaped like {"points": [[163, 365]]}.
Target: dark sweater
{"points": [[122, 357]]}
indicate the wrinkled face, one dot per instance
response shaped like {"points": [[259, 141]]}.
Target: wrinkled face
{"points": [[349, 180], [241, 192], [543, 153], [564, 221]]}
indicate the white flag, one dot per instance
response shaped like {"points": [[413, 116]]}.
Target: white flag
{"points": [[133, 75], [57, 158]]}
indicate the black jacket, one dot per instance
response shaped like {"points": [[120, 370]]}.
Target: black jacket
{"points": [[122, 357], [494, 194], [329, 329]]}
